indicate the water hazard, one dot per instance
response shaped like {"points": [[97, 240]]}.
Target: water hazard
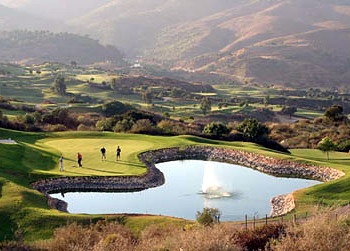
{"points": [[190, 186]]}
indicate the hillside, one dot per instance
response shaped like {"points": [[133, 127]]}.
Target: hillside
{"points": [[42, 46], [139, 22], [282, 42], [287, 42]]}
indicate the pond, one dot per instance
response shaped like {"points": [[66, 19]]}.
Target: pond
{"points": [[190, 186]]}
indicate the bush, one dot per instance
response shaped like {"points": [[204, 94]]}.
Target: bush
{"points": [[143, 126], [56, 128], [259, 238], [252, 129], [99, 236], [83, 127], [123, 126], [167, 126], [335, 113], [208, 217], [216, 129], [115, 108], [344, 146], [105, 125], [320, 233]]}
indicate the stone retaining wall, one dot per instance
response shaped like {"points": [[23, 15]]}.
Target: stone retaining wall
{"points": [[154, 177], [282, 205]]}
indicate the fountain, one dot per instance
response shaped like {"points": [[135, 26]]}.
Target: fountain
{"points": [[212, 186]]}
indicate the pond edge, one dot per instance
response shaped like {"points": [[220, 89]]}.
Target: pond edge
{"points": [[281, 205]]}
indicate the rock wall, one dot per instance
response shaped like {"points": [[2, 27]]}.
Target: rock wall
{"points": [[259, 162], [153, 177], [282, 205]]}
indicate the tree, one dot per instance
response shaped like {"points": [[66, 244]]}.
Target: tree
{"points": [[252, 129], [216, 129], [115, 108], [123, 125], [29, 119], [344, 146], [266, 100], [37, 116], [326, 145], [205, 105], [105, 124], [335, 113], [59, 86], [143, 126], [208, 217], [147, 96], [289, 110], [73, 63], [114, 84]]}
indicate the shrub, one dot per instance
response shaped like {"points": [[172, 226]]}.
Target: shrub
{"points": [[344, 146], [123, 126], [143, 126], [320, 233], [335, 113], [99, 236], [115, 108], [252, 129], [55, 128], [83, 127], [105, 125], [216, 129], [167, 126], [258, 238], [208, 217]]}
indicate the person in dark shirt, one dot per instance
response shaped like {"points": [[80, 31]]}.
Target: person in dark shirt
{"points": [[118, 153], [80, 159], [103, 152]]}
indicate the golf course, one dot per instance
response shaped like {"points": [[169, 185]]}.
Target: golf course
{"points": [[24, 212]]}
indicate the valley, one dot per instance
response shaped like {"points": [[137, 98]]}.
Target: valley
{"points": [[116, 114]]}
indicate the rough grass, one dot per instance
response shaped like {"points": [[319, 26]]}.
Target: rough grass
{"points": [[111, 236], [321, 232]]}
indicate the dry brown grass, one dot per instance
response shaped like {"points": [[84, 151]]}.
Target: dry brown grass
{"points": [[321, 232], [112, 236]]}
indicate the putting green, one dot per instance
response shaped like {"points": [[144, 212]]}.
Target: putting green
{"points": [[92, 159]]}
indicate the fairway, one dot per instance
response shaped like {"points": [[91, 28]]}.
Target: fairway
{"points": [[92, 162]]}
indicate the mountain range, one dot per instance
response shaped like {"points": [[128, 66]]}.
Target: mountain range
{"points": [[294, 43], [34, 47]]}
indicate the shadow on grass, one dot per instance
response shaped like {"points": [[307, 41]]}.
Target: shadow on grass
{"points": [[66, 171], [331, 160], [102, 171], [126, 163]]}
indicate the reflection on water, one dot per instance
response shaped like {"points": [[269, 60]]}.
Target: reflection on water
{"points": [[190, 186]]}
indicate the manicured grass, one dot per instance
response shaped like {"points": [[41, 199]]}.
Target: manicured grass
{"points": [[36, 157]]}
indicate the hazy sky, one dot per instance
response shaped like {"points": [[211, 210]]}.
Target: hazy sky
{"points": [[57, 9], [13, 3]]}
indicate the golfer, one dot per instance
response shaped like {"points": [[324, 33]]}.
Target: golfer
{"points": [[103, 152], [61, 163], [118, 153], [80, 159]]}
